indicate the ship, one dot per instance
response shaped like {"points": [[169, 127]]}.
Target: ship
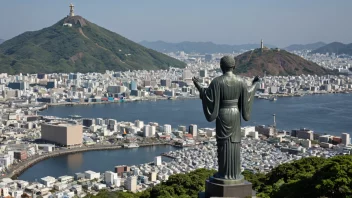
{"points": [[75, 116], [131, 145], [273, 99]]}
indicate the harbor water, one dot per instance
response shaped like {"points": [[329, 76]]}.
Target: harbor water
{"points": [[329, 113]]}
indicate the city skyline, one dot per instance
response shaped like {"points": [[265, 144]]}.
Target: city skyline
{"points": [[280, 23]]}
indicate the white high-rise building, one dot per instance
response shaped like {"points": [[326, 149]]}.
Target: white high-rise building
{"points": [[187, 74], [346, 139], [157, 161], [167, 128], [152, 130], [149, 131], [152, 176], [193, 130], [131, 183], [117, 182], [146, 130], [110, 178], [139, 124]]}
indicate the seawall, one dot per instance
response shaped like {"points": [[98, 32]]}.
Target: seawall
{"points": [[18, 169]]}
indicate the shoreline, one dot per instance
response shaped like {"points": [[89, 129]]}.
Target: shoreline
{"points": [[18, 169], [113, 102], [47, 105]]}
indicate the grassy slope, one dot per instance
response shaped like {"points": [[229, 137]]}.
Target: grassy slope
{"points": [[63, 49]]}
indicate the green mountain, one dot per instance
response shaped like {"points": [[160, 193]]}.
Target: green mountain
{"points": [[83, 47], [311, 46], [275, 62], [197, 47], [335, 47]]}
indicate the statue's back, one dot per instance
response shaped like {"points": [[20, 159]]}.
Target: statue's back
{"points": [[230, 87]]}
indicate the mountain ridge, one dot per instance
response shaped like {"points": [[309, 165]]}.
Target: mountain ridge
{"points": [[80, 47], [1, 41], [310, 46], [198, 47], [335, 47]]}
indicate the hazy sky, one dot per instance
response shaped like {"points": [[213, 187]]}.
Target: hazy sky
{"points": [[278, 22]]}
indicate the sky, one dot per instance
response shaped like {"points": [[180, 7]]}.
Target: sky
{"points": [[277, 22]]}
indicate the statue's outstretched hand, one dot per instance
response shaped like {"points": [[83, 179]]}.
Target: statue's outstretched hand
{"points": [[196, 83], [256, 79]]}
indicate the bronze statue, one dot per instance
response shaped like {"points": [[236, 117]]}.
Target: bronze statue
{"points": [[227, 97]]}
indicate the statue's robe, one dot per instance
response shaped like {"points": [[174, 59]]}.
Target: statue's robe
{"points": [[226, 99]]}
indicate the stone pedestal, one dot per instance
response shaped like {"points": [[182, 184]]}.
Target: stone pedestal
{"points": [[227, 188]]}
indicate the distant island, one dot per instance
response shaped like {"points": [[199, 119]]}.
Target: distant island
{"points": [[1, 41], [335, 47], [275, 62], [76, 45], [198, 47], [311, 46]]}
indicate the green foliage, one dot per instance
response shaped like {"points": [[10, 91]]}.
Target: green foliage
{"points": [[308, 177], [77, 49]]}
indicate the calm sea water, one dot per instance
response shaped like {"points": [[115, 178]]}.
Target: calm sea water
{"points": [[98, 161], [331, 113]]}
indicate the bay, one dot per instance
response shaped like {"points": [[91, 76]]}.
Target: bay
{"points": [[328, 113], [98, 161]]}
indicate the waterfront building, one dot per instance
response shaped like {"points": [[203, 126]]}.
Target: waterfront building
{"points": [[165, 82], [110, 178], [303, 134], [146, 131], [88, 122], [157, 161], [91, 175], [167, 128], [245, 131], [267, 131], [182, 128], [254, 134], [133, 85], [193, 130], [48, 181], [131, 183], [346, 139], [63, 134], [324, 138], [121, 169], [139, 124]]}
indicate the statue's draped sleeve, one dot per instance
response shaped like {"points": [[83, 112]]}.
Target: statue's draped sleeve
{"points": [[211, 100], [246, 100]]}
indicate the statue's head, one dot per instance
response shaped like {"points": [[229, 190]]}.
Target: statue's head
{"points": [[227, 63]]}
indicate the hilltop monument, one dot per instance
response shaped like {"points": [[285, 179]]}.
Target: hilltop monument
{"points": [[72, 12], [226, 100]]}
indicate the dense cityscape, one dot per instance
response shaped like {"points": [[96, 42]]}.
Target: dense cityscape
{"points": [[25, 95], [29, 137]]}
